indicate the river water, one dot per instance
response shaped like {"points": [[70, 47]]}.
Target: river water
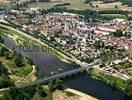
{"points": [[48, 63], [96, 88]]}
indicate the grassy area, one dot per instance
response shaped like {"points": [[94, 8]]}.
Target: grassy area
{"points": [[45, 5], [23, 71], [48, 97], [69, 94], [114, 16], [109, 79], [74, 4], [22, 42], [110, 6], [79, 5], [6, 5], [12, 68]]}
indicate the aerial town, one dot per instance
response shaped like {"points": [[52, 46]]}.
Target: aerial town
{"points": [[48, 47]]}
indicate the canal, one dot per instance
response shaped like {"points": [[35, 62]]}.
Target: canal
{"points": [[48, 63]]}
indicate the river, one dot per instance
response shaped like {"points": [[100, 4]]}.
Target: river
{"points": [[48, 63], [96, 88]]}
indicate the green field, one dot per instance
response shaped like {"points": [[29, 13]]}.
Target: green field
{"points": [[20, 71], [79, 5], [109, 79], [75, 4], [114, 16], [6, 5]]}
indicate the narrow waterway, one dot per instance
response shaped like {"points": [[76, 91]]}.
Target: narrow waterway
{"points": [[48, 63]]}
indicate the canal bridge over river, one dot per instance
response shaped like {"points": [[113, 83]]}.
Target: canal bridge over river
{"points": [[58, 76]]}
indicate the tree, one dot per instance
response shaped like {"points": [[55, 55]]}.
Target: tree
{"points": [[51, 86], [3, 70], [114, 83], [99, 44], [41, 91], [116, 6], [102, 65], [30, 61], [30, 91], [6, 96], [118, 33], [128, 89], [17, 94], [5, 81], [14, 94], [86, 1], [97, 6], [58, 34], [7, 54], [1, 39], [59, 84], [18, 59], [2, 51]]}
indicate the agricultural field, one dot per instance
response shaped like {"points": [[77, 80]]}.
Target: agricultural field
{"points": [[74, 4], [111, 6], [121, 16], [79, 5], [6, 5]]}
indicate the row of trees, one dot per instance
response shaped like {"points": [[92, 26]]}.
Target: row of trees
{"points": [[23, 94], [1, 39], [18, 59], [3, 69], [57, 84], [87, 1], [88, 13], [28, 92], [128, 89], [119, 33], [5, 81]]}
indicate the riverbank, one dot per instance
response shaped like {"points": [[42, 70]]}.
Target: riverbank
{"points": [[17, 74], [27, 36], [40, 55], [41, 59], [108, 79], [82, 95], [23, 80], [67, 94], [96, 88]]}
